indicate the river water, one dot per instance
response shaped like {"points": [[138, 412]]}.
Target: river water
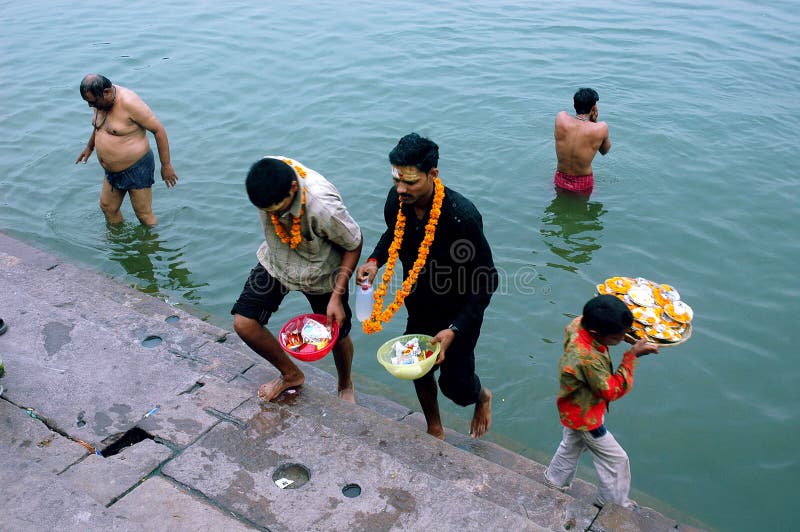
{"points": [[699, 190]]}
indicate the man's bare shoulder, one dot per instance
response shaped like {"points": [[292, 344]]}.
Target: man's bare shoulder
{"points": [[136, 108], [601, 128], [126, 96], [562, 124]]}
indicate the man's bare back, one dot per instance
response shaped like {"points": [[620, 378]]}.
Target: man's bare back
{"points": [[578, 139]]}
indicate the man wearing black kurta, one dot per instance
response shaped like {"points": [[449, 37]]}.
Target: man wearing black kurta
{"points": [[453, 288]]}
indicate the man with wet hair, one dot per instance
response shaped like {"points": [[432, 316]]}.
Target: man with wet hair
{"points": [[578, 139], [120, 124], [587, 384], [453, 285], [311, 245]]}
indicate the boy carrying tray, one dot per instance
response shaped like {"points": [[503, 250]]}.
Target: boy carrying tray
{"points": [[587, 383]]}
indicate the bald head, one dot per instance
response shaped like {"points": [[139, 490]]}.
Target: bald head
{"points": [[94, 84]]}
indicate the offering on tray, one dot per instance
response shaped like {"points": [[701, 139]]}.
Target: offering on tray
{"points": [[293, 339], [603, 289], [312, 333], [409, 353], [646, 315], [664, 294], [642, 295], [308, 337], [619, 285], [660, 331], [659, 313], [409, 356], [679, 311]]}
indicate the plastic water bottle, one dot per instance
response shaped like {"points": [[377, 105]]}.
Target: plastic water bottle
{"points": [[364, 301]]}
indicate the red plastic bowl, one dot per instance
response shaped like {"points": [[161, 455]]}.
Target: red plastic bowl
{"points": [[308, 353]]}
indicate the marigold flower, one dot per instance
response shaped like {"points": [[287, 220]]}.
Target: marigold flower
{"points": [[373, 324], [296, 236]]}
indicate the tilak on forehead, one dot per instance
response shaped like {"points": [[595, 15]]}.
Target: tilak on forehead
{"points": [[415, 174]]}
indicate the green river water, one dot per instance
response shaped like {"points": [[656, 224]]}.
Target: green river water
{"points": [[699, 190]]}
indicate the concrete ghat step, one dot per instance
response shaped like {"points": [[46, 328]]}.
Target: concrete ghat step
{"points": [[421, 453], [54, 274], [97, 298], [499, 455], [127, 313], [34, 498], [84, 381], [612, 516], [80, 377], [245, 456], [130, 314], [48, 482], [515, 480], [189, 338], [193, 344], [31, 280]]}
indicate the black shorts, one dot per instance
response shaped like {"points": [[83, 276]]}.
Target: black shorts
{"points": [[262, 295], [138, 175], [457, 378]]}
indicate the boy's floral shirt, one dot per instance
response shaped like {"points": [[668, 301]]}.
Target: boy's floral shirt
{"points": [[587, 379]]}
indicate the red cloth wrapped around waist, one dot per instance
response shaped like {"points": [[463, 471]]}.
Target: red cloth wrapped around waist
{"points": [[574, 183]]}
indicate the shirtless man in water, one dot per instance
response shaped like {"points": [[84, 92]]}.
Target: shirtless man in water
{"points": [[120, 124], [578, 139]]}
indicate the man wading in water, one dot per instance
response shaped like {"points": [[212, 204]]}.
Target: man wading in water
{"points": [[120, 124], [578, 139]]}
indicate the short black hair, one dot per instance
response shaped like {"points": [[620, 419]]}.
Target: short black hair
{"points": [[269, 182], [413, 150], [584, 100], [94, 84], [606, 314]]}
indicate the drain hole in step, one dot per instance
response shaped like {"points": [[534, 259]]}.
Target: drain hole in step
{"points": [[351, 490], [151, 341], [291, 476], [125, 440]]}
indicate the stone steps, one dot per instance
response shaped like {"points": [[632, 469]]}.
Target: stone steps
{"points": [[416, 450], [407, 479], [213, 441]]}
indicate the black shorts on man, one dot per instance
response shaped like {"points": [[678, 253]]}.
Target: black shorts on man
{"points": [[138, 175], [262, 295]]}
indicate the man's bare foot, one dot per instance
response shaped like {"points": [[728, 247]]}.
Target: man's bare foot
{"points": [[348, 394], [482, 418], [271, 390], [437, 433]]}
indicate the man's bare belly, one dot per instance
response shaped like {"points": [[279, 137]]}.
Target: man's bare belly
{"points": [[117, 153]]}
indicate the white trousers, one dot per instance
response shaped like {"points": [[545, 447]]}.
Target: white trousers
{"points": [[610, 461]]}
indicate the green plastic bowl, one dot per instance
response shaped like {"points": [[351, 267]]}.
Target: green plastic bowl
{"points": [[408, 371]]}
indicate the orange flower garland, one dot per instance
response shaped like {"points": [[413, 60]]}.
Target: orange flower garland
{"points": [[296, 236], [379, 315]]}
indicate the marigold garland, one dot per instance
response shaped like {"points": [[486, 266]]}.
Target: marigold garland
{"points": [[296, 236], [379, 315]]}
